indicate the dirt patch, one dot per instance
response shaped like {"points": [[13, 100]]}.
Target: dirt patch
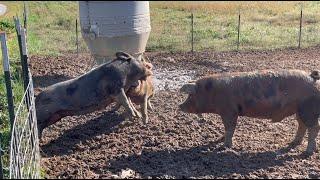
{"points": [[174, 144]]}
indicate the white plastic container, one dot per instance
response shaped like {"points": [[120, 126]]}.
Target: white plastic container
{"points": [[111, 26]]}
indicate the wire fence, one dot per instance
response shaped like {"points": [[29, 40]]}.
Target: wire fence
{"points": [[24, 155], [196, 26], [24, 148]]}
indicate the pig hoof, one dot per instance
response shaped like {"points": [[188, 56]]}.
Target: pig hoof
{"points": [[221, 148], [228, 144], [138, 115], [219, 140], [145, 120], [311, 148], [225, 149], [293, 144], [128, 116], [307, 154]]}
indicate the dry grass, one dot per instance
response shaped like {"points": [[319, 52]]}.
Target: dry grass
{"points": [[231, 7]]}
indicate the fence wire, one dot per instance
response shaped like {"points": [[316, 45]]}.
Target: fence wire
{"points": [[24, 148]]}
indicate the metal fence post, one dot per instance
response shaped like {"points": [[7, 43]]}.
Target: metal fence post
{"points": [[192, 32], [300, 29], [6, 68], [24, 56], [238, 43], [77, 43], [25, 15], [23, 64]]}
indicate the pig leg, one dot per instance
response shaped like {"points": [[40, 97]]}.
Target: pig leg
{"points": [[144, 107], [300, 133], [149, 104], [229, 122], [123, 100], [138, 114], [312, 135], [118, 105], [309, 113]]}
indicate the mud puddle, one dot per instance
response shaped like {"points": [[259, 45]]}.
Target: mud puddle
{"points": [[171, 80]]}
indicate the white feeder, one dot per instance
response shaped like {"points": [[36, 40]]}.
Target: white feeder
{"points": [[111, 26]]}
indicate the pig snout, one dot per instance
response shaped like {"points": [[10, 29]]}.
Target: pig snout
{"points": [[183, 107], [187, 106]]}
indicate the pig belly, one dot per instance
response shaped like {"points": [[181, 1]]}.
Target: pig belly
{"points": [[271, 110]]}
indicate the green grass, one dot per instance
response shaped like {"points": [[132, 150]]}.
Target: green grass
{"points": [[264, 25], [17, 86]]}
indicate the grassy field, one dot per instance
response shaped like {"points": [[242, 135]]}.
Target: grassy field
{"points": [[264, 25]]}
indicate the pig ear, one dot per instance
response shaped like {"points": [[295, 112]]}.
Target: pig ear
{"points": [[124, 56], [149, 72], [145, 59], [148, 65], [189, 88]]}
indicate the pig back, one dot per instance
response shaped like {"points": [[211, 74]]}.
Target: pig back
{"points": [[87, 92]]}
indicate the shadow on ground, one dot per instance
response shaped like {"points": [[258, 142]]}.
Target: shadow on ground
{"points": [[66, 143], [207, 160]]}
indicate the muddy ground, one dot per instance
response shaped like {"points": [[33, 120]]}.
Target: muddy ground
{"points": [[174, 144]]}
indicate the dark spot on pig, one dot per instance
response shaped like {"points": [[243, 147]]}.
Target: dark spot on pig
{"points": [[255, 93], [208, 86], [247, 86], [46, 101], [250, 89], [96, 93], [112, 73], [249, 103], [276, 105], [111, 90], [282, 87], [271, 91], [114, 87], [240, 110], [256, 90], [72, 89]]}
